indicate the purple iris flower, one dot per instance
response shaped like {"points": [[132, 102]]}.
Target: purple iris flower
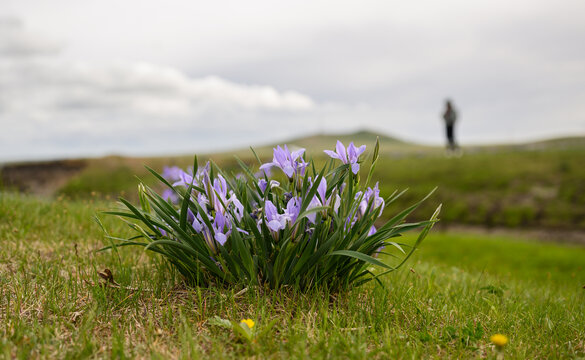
{"points": [[274, 220], [293, 208], [320, 199], [347, 157], [172, 173], [290, 163], [190, 216], [220, 198], [209, 189], [262, 184], [169, 194], [202, 200], [373, 195], [372, 232], [162, 231], [313, 204], [220, 190], [263, 172], [221, 227], [237, 206], [185, 179], [216, 193], [322, 190], [216, 197], [197, 224]]}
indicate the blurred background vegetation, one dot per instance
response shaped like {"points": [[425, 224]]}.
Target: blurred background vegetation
{"points": [[536, 185]]}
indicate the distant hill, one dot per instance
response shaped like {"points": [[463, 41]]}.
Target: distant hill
{"points": [[315, 144], [559, 143], [564, 143], [359, 138]]}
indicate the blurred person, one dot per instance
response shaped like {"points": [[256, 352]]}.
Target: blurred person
{"points": [[450, 116]]}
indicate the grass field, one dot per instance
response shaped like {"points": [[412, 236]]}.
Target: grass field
{"points": [[454, 294]]}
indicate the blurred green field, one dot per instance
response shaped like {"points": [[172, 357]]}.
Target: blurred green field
{"points": [[511, 188], [538, 185]]}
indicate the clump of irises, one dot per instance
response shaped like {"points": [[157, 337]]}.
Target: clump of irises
{"points": [[282, 223]]}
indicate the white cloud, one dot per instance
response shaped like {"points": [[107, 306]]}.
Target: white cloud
{"points": [[50, 107], [141, 88], [51, 86], [15, 41]]}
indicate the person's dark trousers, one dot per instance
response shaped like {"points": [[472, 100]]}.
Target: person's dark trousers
{"points": [[450, 137]]}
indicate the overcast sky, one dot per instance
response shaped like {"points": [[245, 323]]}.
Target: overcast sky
{"points": [[88, 78]]}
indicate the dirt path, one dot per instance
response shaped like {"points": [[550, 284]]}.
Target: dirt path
{"points": [[40, 178]]}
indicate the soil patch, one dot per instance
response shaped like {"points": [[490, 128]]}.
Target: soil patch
{"points": [[40, 178]]}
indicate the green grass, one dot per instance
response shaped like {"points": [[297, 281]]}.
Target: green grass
{"points": [[512, 189], [462, 289], [510, 258]]}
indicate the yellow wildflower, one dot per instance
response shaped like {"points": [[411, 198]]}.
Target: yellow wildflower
{"points": [[499, 340], [248, 322]]}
